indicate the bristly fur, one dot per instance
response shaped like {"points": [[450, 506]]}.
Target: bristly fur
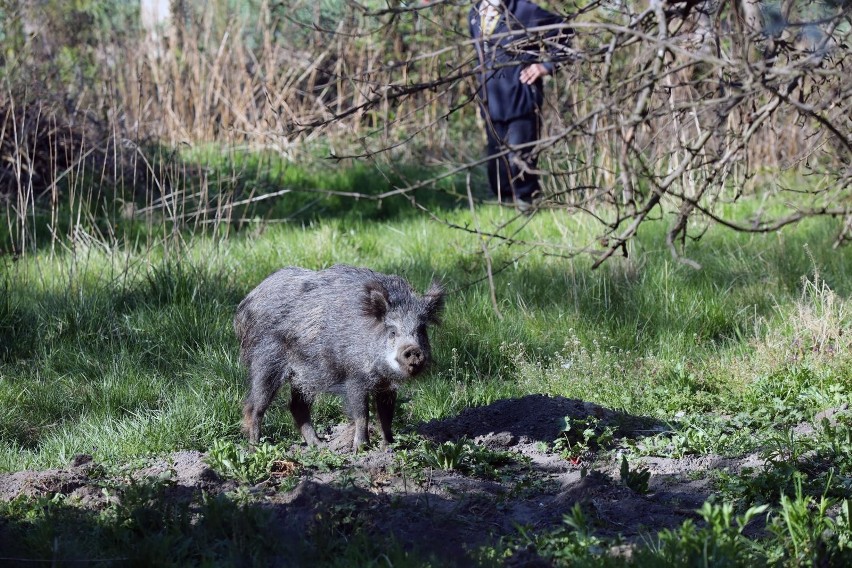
{"points": [[374, 302], [434, 297]]}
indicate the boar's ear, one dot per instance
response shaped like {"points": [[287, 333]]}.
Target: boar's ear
{"points": [[375, 300], [434, 303]]}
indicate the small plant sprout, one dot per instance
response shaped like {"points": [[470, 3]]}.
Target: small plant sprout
{"points": [[636, 479]]}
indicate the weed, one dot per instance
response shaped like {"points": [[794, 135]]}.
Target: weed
{"points": [[526, 484], [720, 542], [464, 456], [318, 458], [805, 533], [448, 455], [235, 462], [699, 436], [270, 461], [580, 436], [578, 539], [820, 322], [573, 543], [814, 464], [635, 479]]}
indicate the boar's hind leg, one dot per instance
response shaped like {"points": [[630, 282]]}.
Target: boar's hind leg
{"points": [[358, 409], [261, 392], [385, 401], [300, 408]]}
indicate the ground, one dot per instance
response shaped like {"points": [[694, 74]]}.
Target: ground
{"points": [[445, 512]]}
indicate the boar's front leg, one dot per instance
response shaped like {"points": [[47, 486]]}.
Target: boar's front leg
{"points": [[300, 408], [358, 409], [385, 403]]}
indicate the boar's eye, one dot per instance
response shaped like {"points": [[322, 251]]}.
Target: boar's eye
{"points": [[391, 333]]}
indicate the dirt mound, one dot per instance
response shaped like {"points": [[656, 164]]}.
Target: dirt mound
{"points": [[183, 468], [36, 483], [84, 479], [509, 422]]}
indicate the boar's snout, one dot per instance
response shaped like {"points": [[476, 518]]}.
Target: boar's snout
{"points": [[411, 358]]}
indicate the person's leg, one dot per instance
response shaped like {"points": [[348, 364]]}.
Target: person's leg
{"points": [[520, 131], [499, 176]]}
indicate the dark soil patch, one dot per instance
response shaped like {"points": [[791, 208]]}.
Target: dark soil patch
{"points": [[441, 512]]}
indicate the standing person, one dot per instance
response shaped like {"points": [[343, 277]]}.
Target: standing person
{"points": [[511, 71]]}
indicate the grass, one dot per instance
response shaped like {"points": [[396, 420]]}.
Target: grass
{"points": [[124, 352]]}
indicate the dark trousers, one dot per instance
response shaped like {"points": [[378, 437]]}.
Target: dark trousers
{"points": [[506, 175]]}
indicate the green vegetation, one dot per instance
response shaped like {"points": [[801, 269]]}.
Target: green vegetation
{"points": [[802, 535], [124, 351]]}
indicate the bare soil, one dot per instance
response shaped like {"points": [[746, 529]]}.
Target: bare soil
{"points": [[446, 512]]}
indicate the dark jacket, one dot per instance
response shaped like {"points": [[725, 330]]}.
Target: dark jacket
{"points": [[502, 58]]}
